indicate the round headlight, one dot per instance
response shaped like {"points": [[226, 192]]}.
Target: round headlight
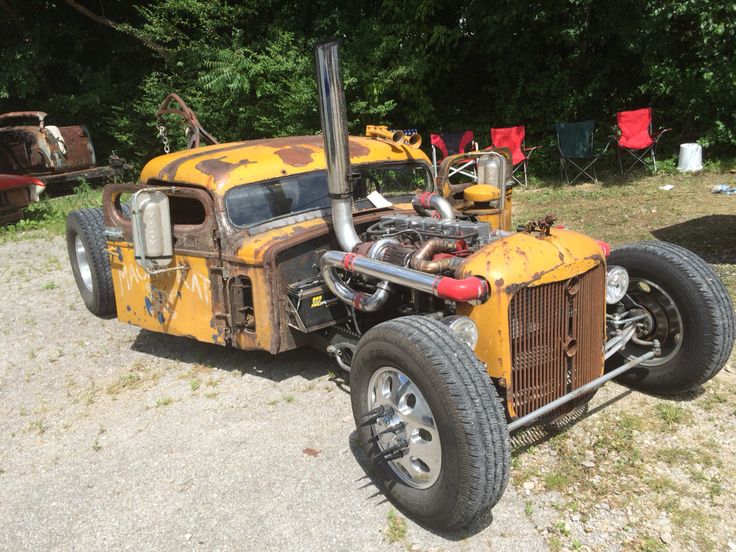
{"points": [[617, 283], [464, 328]]}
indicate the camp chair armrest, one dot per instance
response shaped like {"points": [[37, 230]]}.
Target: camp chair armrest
{"points": [[608, 145], [530, 150], [660, 133]]}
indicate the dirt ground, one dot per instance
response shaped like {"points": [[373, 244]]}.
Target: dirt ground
{"points": [[113, 438]]}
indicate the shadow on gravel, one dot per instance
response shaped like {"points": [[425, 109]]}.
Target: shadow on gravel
{"points": [[523, 439], [306, 363], [478, 525], [713, 237]]}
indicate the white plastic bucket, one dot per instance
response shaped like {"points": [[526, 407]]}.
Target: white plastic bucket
{"points": [[691, 158]]}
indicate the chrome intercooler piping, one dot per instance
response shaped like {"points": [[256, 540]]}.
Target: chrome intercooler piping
{"points": [[426, 202], [466, 290]]}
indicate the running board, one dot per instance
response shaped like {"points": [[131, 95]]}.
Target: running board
{"points": [[529, 418]]}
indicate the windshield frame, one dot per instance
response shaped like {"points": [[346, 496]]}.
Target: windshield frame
{"points": [[359, 205]]}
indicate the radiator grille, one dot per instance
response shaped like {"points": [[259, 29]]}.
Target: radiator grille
{"points": [[557, 337]]}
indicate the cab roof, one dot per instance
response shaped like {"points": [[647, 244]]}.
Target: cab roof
{"points": [[224, 166]]}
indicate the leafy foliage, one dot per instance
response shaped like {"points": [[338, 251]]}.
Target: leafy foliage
{"points": [[247, 68]]}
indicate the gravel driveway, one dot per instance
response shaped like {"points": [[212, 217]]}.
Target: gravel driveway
{"points": [[115, 438]]}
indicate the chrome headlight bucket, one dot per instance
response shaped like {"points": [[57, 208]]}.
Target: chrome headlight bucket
{"points": [[464, 328], [617, 284]]}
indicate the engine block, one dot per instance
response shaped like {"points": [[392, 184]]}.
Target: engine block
{"points": [[473, 232]]}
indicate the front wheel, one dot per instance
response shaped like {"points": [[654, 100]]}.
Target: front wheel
{"points": [[685, 307], [88, 256], [430, 422]]}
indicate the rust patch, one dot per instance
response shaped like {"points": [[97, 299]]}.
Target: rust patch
{"points": [[499, 283], [219, 169], [358, 150], [170, 169], [296, 156], [311, 452]]}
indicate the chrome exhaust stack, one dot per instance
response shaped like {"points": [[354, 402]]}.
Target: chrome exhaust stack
{"points": [[333, 118]]}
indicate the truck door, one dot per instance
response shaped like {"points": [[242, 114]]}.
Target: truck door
{"points": [[186, 298]]}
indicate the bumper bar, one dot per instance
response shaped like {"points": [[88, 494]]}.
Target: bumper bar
{"points": [[596, 383]]}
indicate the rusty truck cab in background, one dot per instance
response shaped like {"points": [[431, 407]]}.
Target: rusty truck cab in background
{"points": [[53, 154]]}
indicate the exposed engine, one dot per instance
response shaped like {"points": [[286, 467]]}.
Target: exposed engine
{"points": [[425, 243], [417, 252]]}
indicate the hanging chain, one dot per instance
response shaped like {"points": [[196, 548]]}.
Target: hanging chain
{"points": [[164, 138]]}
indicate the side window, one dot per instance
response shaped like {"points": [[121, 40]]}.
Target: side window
{"points": [[186, 211]]}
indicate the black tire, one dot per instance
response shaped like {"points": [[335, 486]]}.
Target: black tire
{"points": [[467, 412], [705, 308], [98, 293]]}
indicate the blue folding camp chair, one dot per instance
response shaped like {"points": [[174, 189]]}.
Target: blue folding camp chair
{"points": [[577, 155]]}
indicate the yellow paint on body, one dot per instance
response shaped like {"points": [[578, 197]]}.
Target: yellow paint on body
{"points": [[170, 302], [224, 166], [511, 263]]}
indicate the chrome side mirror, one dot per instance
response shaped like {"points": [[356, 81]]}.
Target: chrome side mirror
{"points": [[153, 242]]}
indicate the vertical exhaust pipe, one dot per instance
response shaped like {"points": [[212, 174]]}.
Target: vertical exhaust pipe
{"points": [[333, 118]]}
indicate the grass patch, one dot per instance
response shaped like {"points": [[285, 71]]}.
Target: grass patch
{"points": [[672, 415], [648, 543], [38, 426], [662, 484], [556, 481], [396, 527], [129, 380], [164, 401]]}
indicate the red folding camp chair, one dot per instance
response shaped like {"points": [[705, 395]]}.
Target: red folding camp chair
{"points": [[636, 137], [513, 138], [453, 143]]}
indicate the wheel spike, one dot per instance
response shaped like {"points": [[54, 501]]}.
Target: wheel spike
{"points": [[395, 456], [386, 413], [379, 410], [400, 446], [392, 429]]}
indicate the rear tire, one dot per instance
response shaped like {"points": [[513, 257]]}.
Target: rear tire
{"points": [[465, 413], [87, 247], [700, 301]]}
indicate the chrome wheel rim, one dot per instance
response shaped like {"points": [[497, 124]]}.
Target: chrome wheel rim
{"points": [[664, 320], [421, 460], [83, 263]]}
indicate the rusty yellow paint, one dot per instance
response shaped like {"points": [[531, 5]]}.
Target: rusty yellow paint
{"points": [[253, 249], [511, 263], [224, 166], [266, 326], [171, 302]]}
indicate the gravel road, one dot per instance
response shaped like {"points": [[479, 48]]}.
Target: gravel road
{"points": [[115, 438]]}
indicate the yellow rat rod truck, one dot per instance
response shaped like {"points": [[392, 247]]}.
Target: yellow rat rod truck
{"points": [[455, 329]]}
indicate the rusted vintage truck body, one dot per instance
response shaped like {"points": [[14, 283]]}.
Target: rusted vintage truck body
{"points": [[53, 154]]}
